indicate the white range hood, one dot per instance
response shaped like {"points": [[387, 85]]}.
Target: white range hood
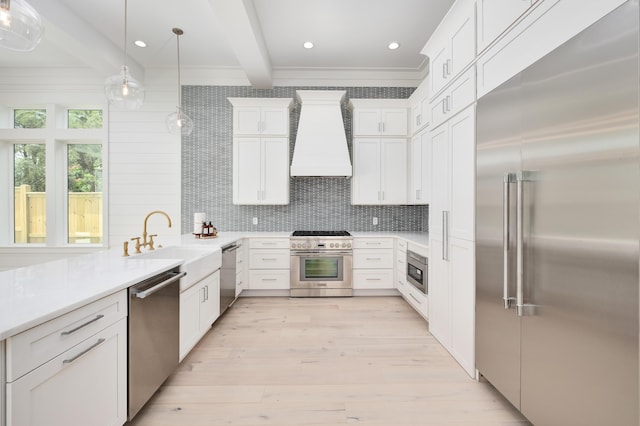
{"points": [[321, 143]]}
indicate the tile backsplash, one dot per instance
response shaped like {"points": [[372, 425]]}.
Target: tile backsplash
{"points": [[315, 203]]}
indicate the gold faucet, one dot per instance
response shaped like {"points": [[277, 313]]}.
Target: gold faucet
{"points": [[144, 242]]}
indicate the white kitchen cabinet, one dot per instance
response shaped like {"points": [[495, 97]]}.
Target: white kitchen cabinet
{"points": [[260, 170], [453, 177], [544, 27], [420, 168], [380, 117], [261, 116], [269, 264], [419, 106], [199, 308], [401, 266], [373, 263], [452, 47], [72, 369], [452, 298], [456, 97], [240, 267], [495, 16], [379, 171]]}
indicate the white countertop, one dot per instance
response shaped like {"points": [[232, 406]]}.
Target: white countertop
{"points": [[35, 294]]}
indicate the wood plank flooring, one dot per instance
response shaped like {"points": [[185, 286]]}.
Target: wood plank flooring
{"points": [[320, 362]]}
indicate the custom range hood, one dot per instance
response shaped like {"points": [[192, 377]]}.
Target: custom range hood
{"points": [[321, 144]]}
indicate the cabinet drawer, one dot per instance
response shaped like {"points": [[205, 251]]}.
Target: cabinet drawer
{"points": [[373, 279], [270, 243], [418, 300], [401, 245], [269, 280], [34, 347], [269, 259], [373, 259], [402, 285], [86, 385], [401, 258], [373, 243]]}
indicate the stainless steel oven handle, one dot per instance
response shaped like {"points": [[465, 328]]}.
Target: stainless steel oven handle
{"points": [[321, 253], [160, 286]]}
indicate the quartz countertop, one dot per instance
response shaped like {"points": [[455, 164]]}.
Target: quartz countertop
{"points": [[35, 294]]}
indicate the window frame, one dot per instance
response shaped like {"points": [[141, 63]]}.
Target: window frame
{"points": [[55, 136]]}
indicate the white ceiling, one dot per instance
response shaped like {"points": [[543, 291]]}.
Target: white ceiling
{"points": [[258, 36]]}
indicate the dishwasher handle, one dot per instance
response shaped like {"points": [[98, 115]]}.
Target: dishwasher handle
{"points": [[230, 248], [176, 276]]}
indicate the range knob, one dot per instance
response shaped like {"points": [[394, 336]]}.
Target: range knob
{"points": [[348, 245], [331, 245], [344, 245]]}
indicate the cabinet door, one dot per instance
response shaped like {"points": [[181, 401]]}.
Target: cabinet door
{"points": [[189, 318], [438, 74], [365, 184], [462, 278], [275, 166], [495, 16], [274, 121], [367, 122], [85, 385], [210, 303], [462, 131], [393, 158], [439, 294], [415, 169], [246, 171], [395, 122], [463, 43], [246, 120], [440, 179]]}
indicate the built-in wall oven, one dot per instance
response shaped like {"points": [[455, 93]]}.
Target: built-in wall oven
{"points": [[417, 271], [321, 264]]}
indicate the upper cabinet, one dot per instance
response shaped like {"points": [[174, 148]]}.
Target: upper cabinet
{"points": [[379, 171], [261, 116], [380, 117], [261, 150], [420, 115], [495, 16], [452, 46]]}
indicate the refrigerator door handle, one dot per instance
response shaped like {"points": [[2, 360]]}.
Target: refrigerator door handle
{"points": [[521, 308], [509, 178], [445, 235]]}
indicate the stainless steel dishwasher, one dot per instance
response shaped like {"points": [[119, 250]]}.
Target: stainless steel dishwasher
{"points": [[228, 276], [154, 339]]}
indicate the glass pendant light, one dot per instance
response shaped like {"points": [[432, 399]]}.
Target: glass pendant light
{"points": [[21, 27], [179, 122], [122, 90]]}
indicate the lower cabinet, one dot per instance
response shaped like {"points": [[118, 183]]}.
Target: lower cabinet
{"points": [[199, 308], [269, 264], [452, 299], [373, 266], [86, 385]]}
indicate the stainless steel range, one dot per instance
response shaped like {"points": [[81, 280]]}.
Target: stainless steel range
{"points": [[321, 264]]}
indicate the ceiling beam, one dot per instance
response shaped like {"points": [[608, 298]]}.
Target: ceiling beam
{"points": [[74, 35], [240, 22]]}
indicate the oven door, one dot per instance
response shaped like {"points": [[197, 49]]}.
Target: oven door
{"points": [[314, 269]]}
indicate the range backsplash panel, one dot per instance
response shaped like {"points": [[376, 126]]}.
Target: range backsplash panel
{"points": [[315, 203]]}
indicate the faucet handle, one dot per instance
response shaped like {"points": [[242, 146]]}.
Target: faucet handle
{"points": [[137, 240], [151, 240], [126, 249]]}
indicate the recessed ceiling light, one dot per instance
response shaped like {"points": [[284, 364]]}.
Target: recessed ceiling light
{"points": [[394, 45], [140, 43], [308, 45]]}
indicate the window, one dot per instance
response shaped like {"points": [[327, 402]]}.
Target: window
{"points": [[84, 118], [53, 185], [29, 118], [84, 176], [29, 178]]}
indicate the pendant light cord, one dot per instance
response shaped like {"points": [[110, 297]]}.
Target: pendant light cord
{"points": [[124, 61], [178, 32]]}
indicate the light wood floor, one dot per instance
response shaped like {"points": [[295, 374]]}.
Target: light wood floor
{"points": [[361, 360]]}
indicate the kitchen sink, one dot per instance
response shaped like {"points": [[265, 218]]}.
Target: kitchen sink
{"points": [[198, 262]]}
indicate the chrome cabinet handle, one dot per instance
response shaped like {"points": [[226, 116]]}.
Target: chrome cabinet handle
{"points": [[98, 343], [374, 279], [448, 66], [156, 288], [448, 103], [414, 298], [269, 279], [66, 333], [507, 180], [445, 235], [444, 70], [373, 258], [444, 105]]}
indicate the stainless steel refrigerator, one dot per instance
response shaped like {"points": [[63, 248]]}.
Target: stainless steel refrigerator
{"points": [[557, 230]]}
